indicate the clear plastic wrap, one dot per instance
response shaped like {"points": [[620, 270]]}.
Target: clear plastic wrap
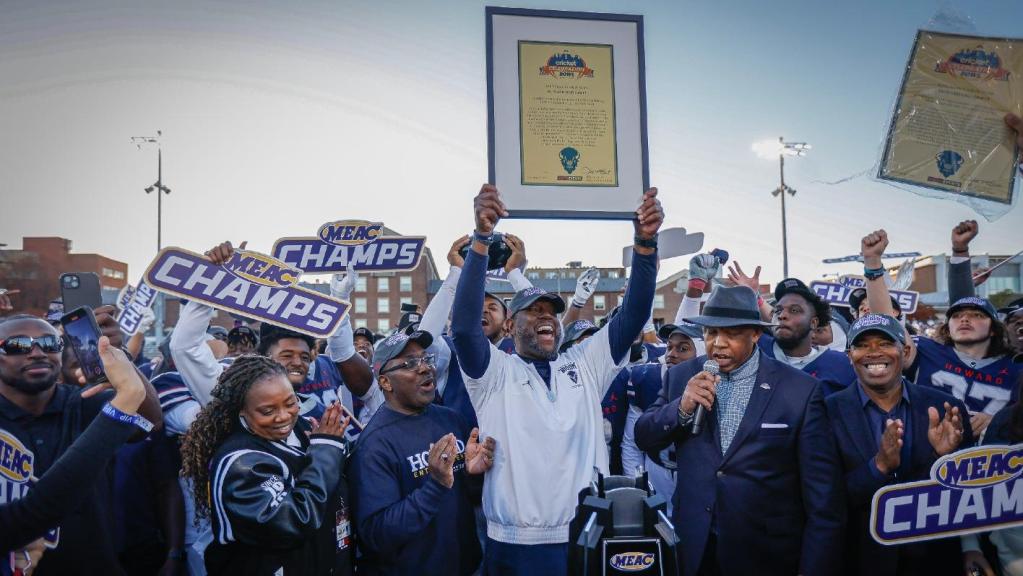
{"points": [[947, 137]]}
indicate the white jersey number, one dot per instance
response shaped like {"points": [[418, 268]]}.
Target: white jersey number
{"points": [[995, 397]]}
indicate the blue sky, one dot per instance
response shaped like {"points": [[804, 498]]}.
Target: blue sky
{"points": [[280, 116]]}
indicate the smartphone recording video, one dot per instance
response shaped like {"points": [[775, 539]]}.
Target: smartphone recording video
{"points": [[82, 334]]}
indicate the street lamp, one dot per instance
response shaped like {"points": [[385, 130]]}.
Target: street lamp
{"points": [[160, 190], [768, 150], [157, 186]]}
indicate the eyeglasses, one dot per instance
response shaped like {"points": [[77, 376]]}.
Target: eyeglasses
{"points": [[18, 345], [413, 363]]}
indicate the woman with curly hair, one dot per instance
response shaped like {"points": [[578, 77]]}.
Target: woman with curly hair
{"points": [[271, 482]]}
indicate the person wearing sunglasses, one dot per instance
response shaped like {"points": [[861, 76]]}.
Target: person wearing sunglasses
{"points": [[412, 492], [39, 421], [60, 489]]}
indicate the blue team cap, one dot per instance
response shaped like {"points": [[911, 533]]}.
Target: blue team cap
{"points": [[973, 302], [881, 323], [391, 347], [577, 330], [689, 329], [524, 299]]}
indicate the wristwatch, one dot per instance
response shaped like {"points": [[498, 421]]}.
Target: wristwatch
{"points": [[645, 242]]}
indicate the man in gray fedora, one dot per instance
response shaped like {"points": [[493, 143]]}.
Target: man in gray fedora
{"points": [[762, 476]]}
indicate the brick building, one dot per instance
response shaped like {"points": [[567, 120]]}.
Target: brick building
{"points": [[35, 269]]}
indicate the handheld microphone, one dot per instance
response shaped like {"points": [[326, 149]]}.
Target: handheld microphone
{"points": [[710, 367]]}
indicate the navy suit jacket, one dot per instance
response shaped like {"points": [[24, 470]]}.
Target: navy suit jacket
{"points": [[856, 445], [777, 494]]}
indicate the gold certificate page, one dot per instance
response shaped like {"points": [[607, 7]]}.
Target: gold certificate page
{"points": [[948, 132], [567, 114]]}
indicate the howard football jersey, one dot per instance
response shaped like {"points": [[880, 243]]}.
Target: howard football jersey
{"points": [[985, 385]]}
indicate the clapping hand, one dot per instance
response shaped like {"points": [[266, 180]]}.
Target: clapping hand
{"points": [[946, 433], [889, 454], [479, 457], [441, 460]]}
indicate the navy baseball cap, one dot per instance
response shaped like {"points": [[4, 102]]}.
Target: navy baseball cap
{"points": [[1013, 308], [860, 294], [973, 302], [409, 322], [395, 344], [365, 333], [882, 323], [577, 330], [218, 332], [524, 299], [488, 294], [794, 286], [689, 329]]}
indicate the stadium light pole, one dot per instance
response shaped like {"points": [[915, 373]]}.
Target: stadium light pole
{"points": [[767, 150], [157, 186], [160, 190]]}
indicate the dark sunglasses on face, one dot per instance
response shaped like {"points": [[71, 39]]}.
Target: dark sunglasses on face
{"points": [[413, 363], [17, 345]]}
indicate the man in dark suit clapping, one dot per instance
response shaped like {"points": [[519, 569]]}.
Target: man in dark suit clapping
{"points": [[891, 431], [759, 490]]}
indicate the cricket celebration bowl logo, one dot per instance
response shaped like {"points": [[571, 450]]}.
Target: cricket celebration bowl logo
{"points": [[566, 65], [976, 63]]}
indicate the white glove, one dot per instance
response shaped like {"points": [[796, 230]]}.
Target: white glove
{"points": [[585, 286], [147, 320], [342, 285], [702, 268]]}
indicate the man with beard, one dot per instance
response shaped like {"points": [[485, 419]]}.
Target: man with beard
{"points": [[889, 431], [797, 312], [39, 420], [970, 359], [542, 408]]}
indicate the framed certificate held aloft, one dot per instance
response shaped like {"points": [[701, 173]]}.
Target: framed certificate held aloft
{"points": [[566, 123], [947, 132]]}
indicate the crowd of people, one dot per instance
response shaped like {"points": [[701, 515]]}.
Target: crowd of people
{"points": [[459, 442]]}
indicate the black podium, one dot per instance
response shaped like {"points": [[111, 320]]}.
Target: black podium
{"points": [[621, 527]]}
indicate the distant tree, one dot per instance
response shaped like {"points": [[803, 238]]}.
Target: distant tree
{"points": [[1002, 299]]}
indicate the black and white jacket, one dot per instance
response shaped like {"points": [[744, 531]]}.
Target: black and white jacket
{"points": [[278, 508]]}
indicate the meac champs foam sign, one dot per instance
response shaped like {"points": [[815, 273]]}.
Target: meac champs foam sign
{"points": [[251, 284], [132, 303], [972, 490], [357, 241]]}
